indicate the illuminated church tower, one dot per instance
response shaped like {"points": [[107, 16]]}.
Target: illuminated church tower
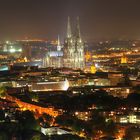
{"points": [[74, 48], [59, 63], [54, 58], [93, 69], [123, 59]]}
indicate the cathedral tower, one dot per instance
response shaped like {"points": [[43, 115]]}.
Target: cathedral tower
{"points": [[74, 47]]}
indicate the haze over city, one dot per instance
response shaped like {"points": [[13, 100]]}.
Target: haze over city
{"points": [[69, 70], [99, 19]]}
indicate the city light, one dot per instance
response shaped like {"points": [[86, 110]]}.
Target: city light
{"points": [[12, 50], [83, 84]]}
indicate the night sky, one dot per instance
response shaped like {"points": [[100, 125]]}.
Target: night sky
{"points": [[99, 19]]}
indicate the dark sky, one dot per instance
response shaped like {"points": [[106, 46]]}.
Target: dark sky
{"points": [[99, 19]]}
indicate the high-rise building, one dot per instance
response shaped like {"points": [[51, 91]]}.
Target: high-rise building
{"points": [[74, 47]]}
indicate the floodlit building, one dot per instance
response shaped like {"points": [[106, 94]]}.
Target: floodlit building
{"points": [[71, 54], [93, 69], [50, 86], [54, 58], [74, 48], [54, 131], [123, 59]]}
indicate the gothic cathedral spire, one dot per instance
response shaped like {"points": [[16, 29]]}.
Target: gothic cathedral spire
{"points": [[74, 48], [77, 30], [69, 35]]}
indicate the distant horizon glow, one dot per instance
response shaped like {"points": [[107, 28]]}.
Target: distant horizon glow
{"points": [[46, 19]]}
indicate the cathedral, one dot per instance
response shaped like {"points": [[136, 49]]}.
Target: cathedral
{"points": [[71, 53], [54, 58], [73, 47]]}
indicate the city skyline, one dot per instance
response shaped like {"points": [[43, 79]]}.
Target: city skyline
{"points": [[47, 18], [69, 70]]}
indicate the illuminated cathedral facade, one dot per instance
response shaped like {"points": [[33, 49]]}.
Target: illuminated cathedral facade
{"points": [[71, 53], [74, 47]]}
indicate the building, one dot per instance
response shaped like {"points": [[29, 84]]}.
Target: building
{"points": [[83, 115], [50, 86], [55, 131], [54, 58], [74, 48], [123, 59], [71, 55], [33, 49]]}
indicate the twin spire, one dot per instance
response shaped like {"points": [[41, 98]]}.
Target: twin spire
{"points": [[69, 34], [77, 29]]}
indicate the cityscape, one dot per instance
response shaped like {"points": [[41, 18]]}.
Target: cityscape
{"points": [[60, 80]]}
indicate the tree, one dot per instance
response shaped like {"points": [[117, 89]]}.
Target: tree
{"points": [[97, 120], [34, 97], [47, 119], [110, 128], [133, 100], [2, 115], [27, 121], [3, 136], [66, 137], [33, 135]]}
